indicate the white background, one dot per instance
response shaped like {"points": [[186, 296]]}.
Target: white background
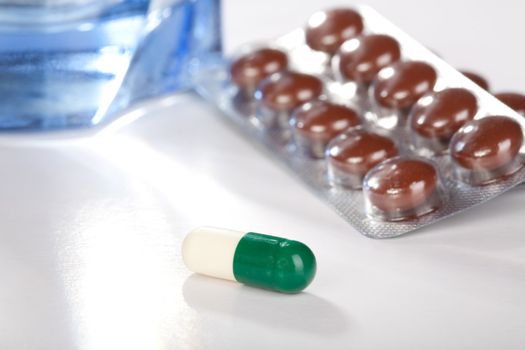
{"points": [[91, 225]]}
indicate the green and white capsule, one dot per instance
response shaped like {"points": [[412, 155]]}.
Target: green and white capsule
{"points": [[251, 258]]}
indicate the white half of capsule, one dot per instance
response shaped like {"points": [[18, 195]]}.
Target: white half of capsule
{"points": [[210, 251]]}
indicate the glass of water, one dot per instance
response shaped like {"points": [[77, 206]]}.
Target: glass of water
{"points": [[72, 63]]}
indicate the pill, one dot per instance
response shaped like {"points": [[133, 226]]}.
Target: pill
{"points": [[253, 259], [249, 69], [360, 59], [401, 84], [352, 154], [513, 100], [327, 30], [442, 113], [315, 124], [402, 188], [487, 149], [478, 79], [288, 90]]}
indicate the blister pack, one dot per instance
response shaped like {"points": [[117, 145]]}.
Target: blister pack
{"points": [[374, 123]]}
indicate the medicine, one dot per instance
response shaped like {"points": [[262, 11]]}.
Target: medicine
{"points": [[513, 100], [402, 83], [248, 70], [478, 79], [315, 124], [279, 94], [437, 116], [289, 90], [487, 149], [402, 188], [250, 258], [377, 126], [360, 59], [352, 154], [327, 30]]}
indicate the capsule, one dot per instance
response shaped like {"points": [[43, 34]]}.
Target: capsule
{"points": [[251, 258]]}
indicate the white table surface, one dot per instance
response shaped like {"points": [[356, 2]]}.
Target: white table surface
{"points": [[92, 222]]}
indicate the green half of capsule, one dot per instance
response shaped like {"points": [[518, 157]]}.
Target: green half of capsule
{"points": [[273, 263]]}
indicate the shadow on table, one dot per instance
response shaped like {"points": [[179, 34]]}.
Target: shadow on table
{"points": [[301, 312]]}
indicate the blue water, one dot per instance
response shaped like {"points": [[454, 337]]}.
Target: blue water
{"points": [[81, 72]]}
